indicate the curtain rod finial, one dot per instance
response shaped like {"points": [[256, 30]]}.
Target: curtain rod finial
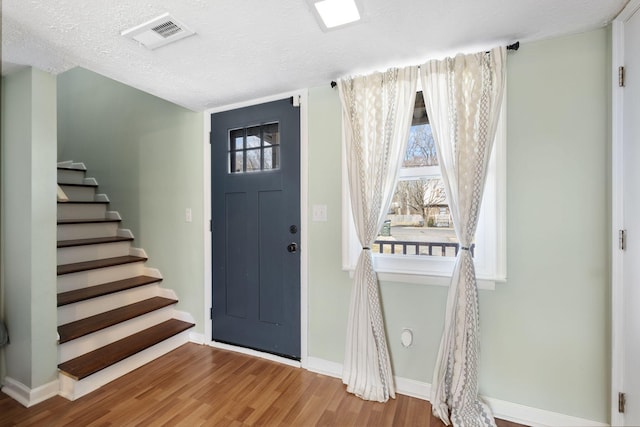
{"points": [[514, 46], [333, 84]]}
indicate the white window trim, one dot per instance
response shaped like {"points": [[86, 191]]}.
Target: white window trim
{"points": [[418, 269]]}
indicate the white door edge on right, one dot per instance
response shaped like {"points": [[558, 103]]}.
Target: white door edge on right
{"points": [[625, 269]]}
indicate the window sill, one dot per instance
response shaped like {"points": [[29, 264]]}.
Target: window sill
{"points": [[484, 283]]}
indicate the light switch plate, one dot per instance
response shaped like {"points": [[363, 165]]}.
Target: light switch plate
{"points": [[319, 213]]}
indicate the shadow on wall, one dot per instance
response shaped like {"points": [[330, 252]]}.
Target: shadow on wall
{"points": [[4, 334]]}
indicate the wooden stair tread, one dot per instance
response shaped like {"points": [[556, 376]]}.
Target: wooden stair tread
{"points": [[94, 361], [98, 263], [71, 168], [87, 220], [88, 325], [72, 184], [83, 202], [83, 294], [93, 241]]}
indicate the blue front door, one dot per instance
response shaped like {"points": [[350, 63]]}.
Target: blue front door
{"points": [[256, 227]]}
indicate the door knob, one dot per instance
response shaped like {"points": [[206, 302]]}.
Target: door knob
{"points": [[293, 247]]}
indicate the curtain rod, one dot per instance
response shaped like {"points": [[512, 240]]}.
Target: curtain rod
{"points": [[514, 46]]}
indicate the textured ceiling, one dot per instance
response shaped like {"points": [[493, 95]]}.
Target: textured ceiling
{"points": [[247, 49]]}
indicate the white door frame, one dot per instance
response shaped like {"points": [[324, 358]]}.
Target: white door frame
{"points": [[617, 217], [300, 96]]}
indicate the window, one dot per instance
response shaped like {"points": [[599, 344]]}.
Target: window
{"points": [[418, 221], [417, 243], [255, 148]]}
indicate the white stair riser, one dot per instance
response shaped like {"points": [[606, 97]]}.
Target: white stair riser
{"points": [[80, 310], [70, 176], [90, 252], [82, 279], [87, 231], [82, 345], [72, 389], [84, 211], [79, 194]]}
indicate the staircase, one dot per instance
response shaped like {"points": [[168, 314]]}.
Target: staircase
{"points": [[113, 316]]}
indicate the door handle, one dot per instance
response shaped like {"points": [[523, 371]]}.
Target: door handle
{"points": [[293, 247]]}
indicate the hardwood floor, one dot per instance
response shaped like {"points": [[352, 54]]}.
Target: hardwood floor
{"points": [[198, 385]]}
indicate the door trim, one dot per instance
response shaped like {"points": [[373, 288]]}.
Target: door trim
{"points": [[302, 96], [617, 217]]}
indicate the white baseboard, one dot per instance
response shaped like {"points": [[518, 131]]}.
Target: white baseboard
{"points": [[197, 338], [28, 397], [502, 409], [535, 417], [413, 388], [404, 386], [324, 367]]}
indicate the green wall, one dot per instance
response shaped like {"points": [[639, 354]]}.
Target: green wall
{"points": [[544, 333], [556, 302], [29, 225], [146, 154]]}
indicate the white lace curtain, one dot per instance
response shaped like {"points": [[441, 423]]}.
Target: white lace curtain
{"points": [[377, 112], [463, 97]]}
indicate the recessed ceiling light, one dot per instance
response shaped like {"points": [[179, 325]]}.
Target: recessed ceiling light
{"points": [[335, 13]]}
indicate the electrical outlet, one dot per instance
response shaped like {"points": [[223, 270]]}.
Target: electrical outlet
{"points": [[187, 215], [406, 337]]}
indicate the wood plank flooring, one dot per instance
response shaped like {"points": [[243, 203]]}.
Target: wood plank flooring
{"points": [[198, 385]]}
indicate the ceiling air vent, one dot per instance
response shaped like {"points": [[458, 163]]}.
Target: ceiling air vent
{"points": [[167, 29], [158, 32]]}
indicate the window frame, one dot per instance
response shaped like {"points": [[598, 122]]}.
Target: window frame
{"points": [[261, 148], [491, 244]]}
